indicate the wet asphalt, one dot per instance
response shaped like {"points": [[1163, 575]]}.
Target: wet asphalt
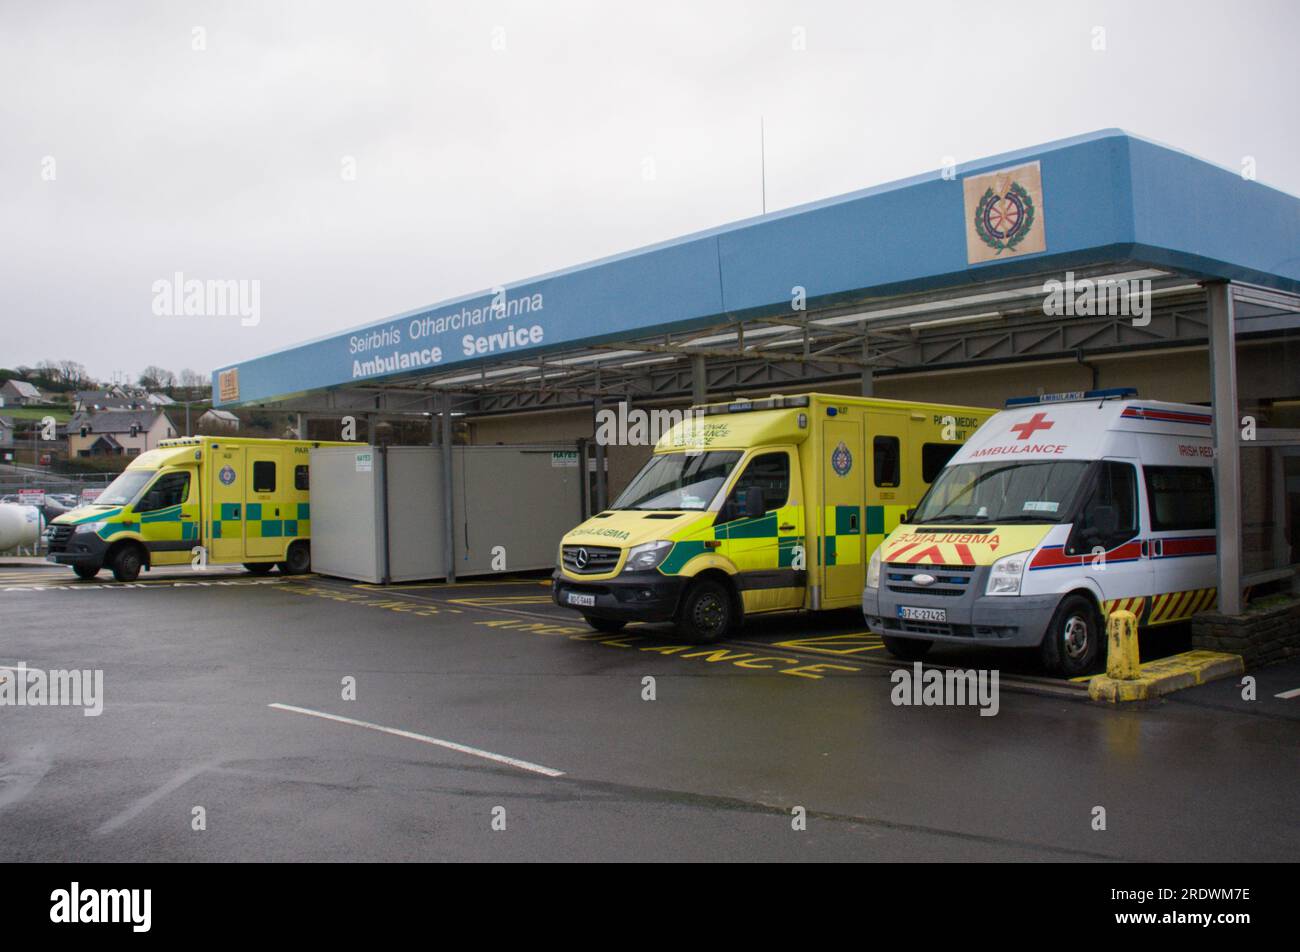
{"points": [[781, 745]]}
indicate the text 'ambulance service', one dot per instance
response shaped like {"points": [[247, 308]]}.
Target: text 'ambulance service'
{"points": [[1059, 511], [218, 500], [757, 506]]}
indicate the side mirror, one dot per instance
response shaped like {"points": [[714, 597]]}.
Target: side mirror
{"points": [[755, 505], [908, 516]]}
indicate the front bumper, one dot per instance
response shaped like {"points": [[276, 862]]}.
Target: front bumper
{"points": [[79, 548], [635, 596], [1018, 621]]}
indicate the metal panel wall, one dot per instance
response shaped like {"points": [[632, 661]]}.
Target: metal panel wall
{"points": [[521, 498], [346, 513]]}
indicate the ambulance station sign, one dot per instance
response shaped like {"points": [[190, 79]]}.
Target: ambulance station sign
{"points": [[1004, 214]]}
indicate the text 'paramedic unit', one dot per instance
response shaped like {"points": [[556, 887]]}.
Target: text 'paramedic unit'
{"points": [[1057, 512], [757, 506], [218, 500]]}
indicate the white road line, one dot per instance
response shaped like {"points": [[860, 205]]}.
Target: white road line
{"points": [[425, 739], [1287, 695], [148, 800]]}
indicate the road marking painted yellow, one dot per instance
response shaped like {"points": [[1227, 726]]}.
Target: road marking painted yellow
{"points": [[848, 644]]}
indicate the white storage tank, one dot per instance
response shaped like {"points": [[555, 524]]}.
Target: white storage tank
{"points": [[20, 527]]}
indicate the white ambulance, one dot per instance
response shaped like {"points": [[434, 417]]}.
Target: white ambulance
{"points": [[1058, 511]]}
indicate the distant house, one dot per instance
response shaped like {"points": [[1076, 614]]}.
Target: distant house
{"points": [[6, 431], [91, 401], [20, 393], [217, 421], [118, 432], [159, 400]]}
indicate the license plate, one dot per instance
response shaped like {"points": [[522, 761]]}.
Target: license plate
{"points": [[586, 601], [922, 614]]}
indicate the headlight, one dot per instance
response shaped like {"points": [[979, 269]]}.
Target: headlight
{"points": [[648, 555], [91, 526], [1004, 577], [873, 570]]}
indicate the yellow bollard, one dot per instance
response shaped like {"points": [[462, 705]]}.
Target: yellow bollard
{"points": [[1122, 662]]}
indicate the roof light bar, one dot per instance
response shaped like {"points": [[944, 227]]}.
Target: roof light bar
{"points": [[1113, 393], [748, 406]]}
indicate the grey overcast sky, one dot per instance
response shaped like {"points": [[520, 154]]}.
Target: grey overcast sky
{"points": [[478, 165]]}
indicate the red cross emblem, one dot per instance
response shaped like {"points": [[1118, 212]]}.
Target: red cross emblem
{"points": [[1037, 422]]}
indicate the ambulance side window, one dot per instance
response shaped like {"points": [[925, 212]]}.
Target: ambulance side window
{"points": [[263, 476], [301, 481], [1180, 497], [172, 490], [884, 456], [1110, 516], [770, 472]]}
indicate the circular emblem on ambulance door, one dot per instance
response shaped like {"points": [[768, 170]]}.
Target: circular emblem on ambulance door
{"points": [[841, 459], [1003, 221], [580, 558], [227, 475]]}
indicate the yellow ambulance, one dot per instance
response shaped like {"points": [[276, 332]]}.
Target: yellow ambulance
{"points": [[757, 506], [199, 500]]}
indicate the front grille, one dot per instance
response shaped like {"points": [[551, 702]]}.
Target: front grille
{"points": [[599, 559], [927, 590], [58, 538], [949, 580]]}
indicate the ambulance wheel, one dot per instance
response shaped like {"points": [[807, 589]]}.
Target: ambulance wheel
{"points": [[127, 562], [707, 612], [298, 561], [604, 624], [907, 649], [86, 571], [259, 568], [1073, 643]]}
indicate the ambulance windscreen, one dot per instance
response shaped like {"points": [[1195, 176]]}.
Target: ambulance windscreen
{"points": [[678, 481], [122, 490], [1003, 492]]}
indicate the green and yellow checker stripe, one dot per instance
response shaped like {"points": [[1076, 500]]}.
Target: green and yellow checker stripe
{"points": [[741, 530], [881, 520], [228, 525]]}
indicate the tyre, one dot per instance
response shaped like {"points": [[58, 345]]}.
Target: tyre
{"points": [[86, 571], [1073, 643], [298, 561], [259, 568], [604, 624], [907, 649], [707, 612], [127, 562]]}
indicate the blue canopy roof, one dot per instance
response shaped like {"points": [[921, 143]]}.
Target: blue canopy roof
{"points": [[1103, 197]]}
